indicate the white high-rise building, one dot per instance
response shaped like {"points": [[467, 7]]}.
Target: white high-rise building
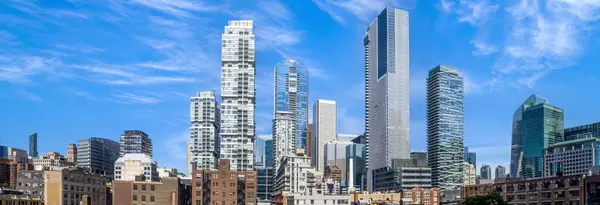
{"points": [[128, 166], [469, 175], [284, 137], [387, 118], [204, 132], [325, 125], [238, 94]]}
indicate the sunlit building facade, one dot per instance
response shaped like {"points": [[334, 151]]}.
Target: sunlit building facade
{"points": [[291, 95], [516, 143]]}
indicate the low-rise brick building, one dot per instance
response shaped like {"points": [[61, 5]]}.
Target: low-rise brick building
{"points": [[168, 191], [223, 186]]}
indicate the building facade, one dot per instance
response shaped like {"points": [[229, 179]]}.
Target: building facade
{"points": [[310, 140], [325, 125], [130, 166], [284, 139], [387, 107], [31, 182], [265, 180], [70, 185], [3, 151], [72, 153], [17, 155], [293, 176], [500, 172], [419, 158], [335, 154], [259, 149], [224, 186], [355, 165], [445, 127], [583, 131], [168, 191], [469, 174], [542, 126], [402, 175], [572, 158], [238, 95], [269, 153], [51, 159], [205, 115], [33, 149], [98, 155], [516, 154], [486, 172], [135, 142], [291, 95]]}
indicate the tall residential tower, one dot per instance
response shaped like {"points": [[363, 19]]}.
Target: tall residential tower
{"points": [[238, 94], [204, 132], [387, 118], [291, 95], [135, 142], [445, 127]]}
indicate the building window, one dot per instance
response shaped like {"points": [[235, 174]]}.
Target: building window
{"points": [[143, 197], [312, 201], [325, 201], [197, 202], [143, 187], [197, 193], [152, 187], [151, 198], [135, 187], [135, 197]]}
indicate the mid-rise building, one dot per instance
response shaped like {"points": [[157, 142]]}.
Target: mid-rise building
{"points": [[51, 159], [582, 131], [469, 174], [419, 158], [405, 197], [335, 154], [135, 142], [72, 185], [33, 149], [265, 180], [293, 176], [31, 182], [17, 155], [333, 172], [542, 126], [168, 190], [325, 125], [72, 153], [572, 158], [387, 107], [291, 95], [98, 155], [500, 172], [9, 171], [445, 127], [486, 172], [516, 154], [312, 199], [283, 137], [20, 199], [238, 71], [130, 166], [355, 155], [205, 115], [403, 174], [224, 186]]}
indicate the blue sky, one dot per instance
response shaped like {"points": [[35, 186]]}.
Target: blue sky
{"points": [[78, 69]]}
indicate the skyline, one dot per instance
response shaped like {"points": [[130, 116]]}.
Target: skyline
{"points": [[50, 102]]}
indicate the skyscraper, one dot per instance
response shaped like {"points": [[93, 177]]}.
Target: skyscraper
{"points": [[387, 117], [238, 94], [325, 125], [486, 172], [542, 125], [283, 137], [445, 127], [204, 133], [97, 155], [135, 142], [335, 154], [291, 95], [33, 149], [72, 153], [516, 145], [355, 156], [500, 172], [269, 153], [470, 157], [259, 149]]}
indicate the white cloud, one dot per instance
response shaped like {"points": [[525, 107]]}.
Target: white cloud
{"points": [[129, 98], [483, 48], [327, 8], [476, 11], [178, 8], [29, 96]]}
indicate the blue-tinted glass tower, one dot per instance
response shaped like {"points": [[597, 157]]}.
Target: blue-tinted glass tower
{"points": [[291, 95], [542, 125], [516, 144], [269, 153]]}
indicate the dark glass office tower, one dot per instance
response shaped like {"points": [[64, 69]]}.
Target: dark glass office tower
{"points": [[33, 150]]}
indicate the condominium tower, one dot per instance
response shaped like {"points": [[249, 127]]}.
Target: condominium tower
{"points": [[135, 142], [516, 143], [204, 132], [291, 95], [445, 127], [325, 125], [97, 155], [283, 137], [387, 118], [238, 94]]}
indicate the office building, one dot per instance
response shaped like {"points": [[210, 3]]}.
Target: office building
{"points": [[17, 155], [445, 127], [592, 187], [355, 156], [72, 153], [238, 94], [291, 95], [387, 107], [3, 151], [470, 157], [335, 154], [555, 190], [98, 155], [70, 185], [224, 186], [310, 140], [325, 125], [419, 159], [167, 172], [517, 132], [469, 174], [51, 159], [572, 158], [205, 116], [33, 149], [130, 166], [31, 182], [583, 131], [500, 172], [346, 137], [269, 153], [264, 185], [542, 126], [259, 149], [403, 174], [169, 191], [135, 142], [283, 137], [486, 172]]}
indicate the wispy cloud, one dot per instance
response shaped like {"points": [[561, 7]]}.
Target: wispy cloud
{"points": [[482, 48], [327, 8], [19, 69], [79, 48], [129, 98], [178, 8], [29, 96]]}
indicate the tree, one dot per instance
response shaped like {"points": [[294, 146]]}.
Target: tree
{"points": [[491, 198]]}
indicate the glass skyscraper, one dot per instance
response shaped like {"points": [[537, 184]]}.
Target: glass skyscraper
{"points": [[515, 149], [291, 95], [33, 149], [583, 131], [470, 157], [445, 127], [269, 153], [541, 126], [387, 108]]}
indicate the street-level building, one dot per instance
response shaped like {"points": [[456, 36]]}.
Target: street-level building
{"points": [[224, 186], [31, 182], [572, 158], [72, 185], [167, 191]]}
